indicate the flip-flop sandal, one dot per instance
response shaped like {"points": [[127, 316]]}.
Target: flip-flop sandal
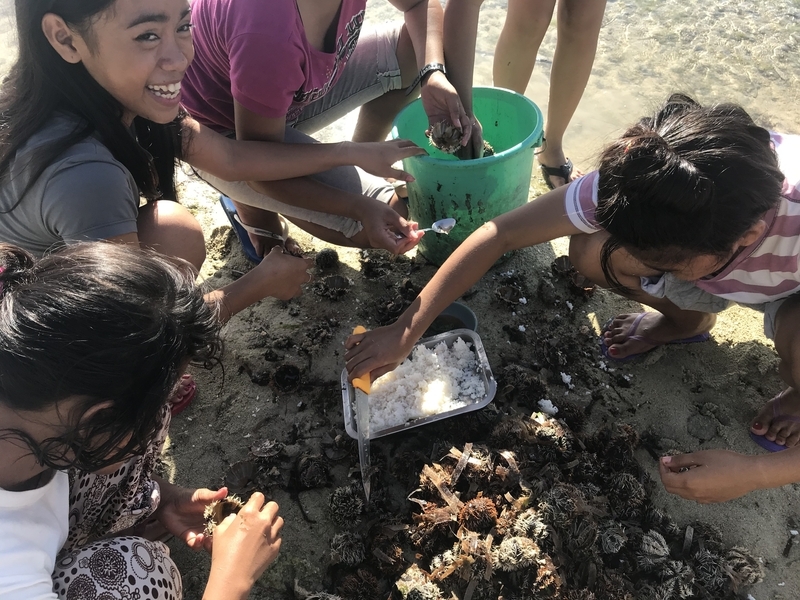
{"points": [[701, 337], [242, 230], [777, 415], [187, 388], [564, 171]]}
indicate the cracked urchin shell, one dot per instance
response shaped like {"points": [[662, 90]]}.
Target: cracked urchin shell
{"points": [[582, 534], [743, 567], [346, 506], [347, 548], [515, 553], [414, 585], [710, 570], [361, 585], [312, 471], [678, 578], [445, 137], [218, 510], [478, 514], [530, 524], [653, 552], [612, 538]]}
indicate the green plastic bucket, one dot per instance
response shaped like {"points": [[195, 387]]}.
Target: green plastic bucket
{"points": [[471, 191]]}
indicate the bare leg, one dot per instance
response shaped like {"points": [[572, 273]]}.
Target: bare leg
{"points": [[376, 116], [523, 31], [578, 29], [668, 324], [785, 432], [170, 229]]}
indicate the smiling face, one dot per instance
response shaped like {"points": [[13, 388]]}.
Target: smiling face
{"points": [[139, 50]]}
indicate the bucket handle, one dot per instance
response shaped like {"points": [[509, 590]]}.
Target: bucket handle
{"points": [[538, 141]]}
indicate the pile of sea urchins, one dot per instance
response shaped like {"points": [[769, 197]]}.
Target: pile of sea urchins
{"points": [[534, 511]]}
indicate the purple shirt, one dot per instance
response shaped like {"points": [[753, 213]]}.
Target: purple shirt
{"points": [[256, 52]]}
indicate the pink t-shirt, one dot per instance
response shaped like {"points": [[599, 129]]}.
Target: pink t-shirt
{"points": [[767, 269], [256, 52]]}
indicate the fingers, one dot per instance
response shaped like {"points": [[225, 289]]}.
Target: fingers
{"points": [[354, 340], [205, 496], [466, 128], [680, 461], [401, 175]]}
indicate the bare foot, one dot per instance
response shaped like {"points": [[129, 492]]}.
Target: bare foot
{"points": [[623, 339], [779, 419]]}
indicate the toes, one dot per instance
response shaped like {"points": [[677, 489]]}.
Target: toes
{"points": [[793, 440]]}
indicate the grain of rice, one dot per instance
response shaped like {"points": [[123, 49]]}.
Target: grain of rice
{"points": [[432, 381]]}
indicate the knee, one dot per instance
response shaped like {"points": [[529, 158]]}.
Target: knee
{"points": [[171, 229]]}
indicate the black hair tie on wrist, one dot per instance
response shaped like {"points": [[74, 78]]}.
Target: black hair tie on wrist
{"points": [[429, 68]]}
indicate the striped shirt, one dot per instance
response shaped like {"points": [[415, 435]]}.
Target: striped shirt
{"points": [[766, 270]]}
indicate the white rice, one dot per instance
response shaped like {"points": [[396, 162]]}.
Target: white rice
{"points": [[432, 381]]}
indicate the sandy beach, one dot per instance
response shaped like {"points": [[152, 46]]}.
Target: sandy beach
{"points": [[680, 398]]}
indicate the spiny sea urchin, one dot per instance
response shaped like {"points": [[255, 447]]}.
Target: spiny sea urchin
{"points": [[218, 510], [347, 548], [346, 506], [478, 514]]}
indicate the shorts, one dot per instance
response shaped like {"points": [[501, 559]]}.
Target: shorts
{"points": [[371, 71], [687, 296]]}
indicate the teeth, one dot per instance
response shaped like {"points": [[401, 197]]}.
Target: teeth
{"points": [[166, 91]]}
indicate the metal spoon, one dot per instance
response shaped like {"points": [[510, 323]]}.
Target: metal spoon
{"points": [[441, 226]]}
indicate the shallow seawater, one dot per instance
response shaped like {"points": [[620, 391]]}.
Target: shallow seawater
{"points": [[715, 50]]}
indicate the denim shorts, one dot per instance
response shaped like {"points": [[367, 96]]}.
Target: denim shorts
{"points": [[687, 296], [371, 71]]}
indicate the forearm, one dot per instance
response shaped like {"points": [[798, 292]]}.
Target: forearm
{"points": [[460, 36], [221, 586], [307, 193], [424, 22], [538, 221], [235, 297], [777, 469], [244, 160]]}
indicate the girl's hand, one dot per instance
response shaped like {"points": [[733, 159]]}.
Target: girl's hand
{"points": [[378, 157], [181, 512], [245, 544], [386, 229], [708, 476], [376, 352], [284, 274], [441, 103]]}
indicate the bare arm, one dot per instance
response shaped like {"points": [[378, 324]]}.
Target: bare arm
{"points": [[310, 194], [278, 275], [379, 351], [460, 36], [240, 160], [424, 21]]}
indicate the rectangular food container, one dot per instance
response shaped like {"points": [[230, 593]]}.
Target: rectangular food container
{"points": [[469, 336]]}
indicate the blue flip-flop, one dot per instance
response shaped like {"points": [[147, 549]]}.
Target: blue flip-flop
{"points": [[241, 230], [777, 415], [701, 337]]}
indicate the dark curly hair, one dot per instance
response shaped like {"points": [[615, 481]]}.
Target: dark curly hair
{"points": [[688, 181], [105, 324]]}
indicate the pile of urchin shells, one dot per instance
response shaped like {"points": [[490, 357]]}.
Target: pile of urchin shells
{"points": [[537, 509]]}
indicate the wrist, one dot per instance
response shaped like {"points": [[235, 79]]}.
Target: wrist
{"points": [[426, 73], [220, 586], [347, 153]]}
